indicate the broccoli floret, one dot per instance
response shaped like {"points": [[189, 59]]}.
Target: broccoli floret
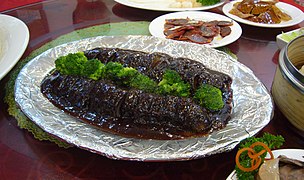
{"points": [[71, 64], [112, 69], [129, 76], [93, 69], [144, 83], [127, 72], [121, 75], [209, 97], [208, 2], [126, 75], [172, 84]]}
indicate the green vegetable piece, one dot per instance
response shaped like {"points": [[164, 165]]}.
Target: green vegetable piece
{"points": [[209, 97], [208, 2], [126, 75], [93, 69], [127, 72], [270, 140], [290, 36], [71, 64], [112, 69], [144, 83], [172, 84], [121, 75]]}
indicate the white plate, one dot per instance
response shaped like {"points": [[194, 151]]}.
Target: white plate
{"points": [[156, 27], [296, 14], [14, 37], [160, 5], [290, 153]]}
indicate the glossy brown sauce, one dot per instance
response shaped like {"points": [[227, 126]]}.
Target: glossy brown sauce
{"points": [[134, 113]]}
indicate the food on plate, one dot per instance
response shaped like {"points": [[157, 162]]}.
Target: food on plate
{"points": [[138, 94], [252, 152], [208, 2], [259, 11], [177, 3], [186, 4], [197, 31], [281, 168], [292, 35], [192, 3], [286, 37]]}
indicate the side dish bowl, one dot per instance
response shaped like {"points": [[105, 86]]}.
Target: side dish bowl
{"points": [[285, 37]]}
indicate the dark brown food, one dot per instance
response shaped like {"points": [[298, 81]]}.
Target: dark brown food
{"points": [[259, 11], [283, 168], [195, 30], [291, 168], [134, 113], [225, 31]]}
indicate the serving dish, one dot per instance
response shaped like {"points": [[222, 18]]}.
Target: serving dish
{"points": [[14, 37], [161, 6], [285, 37], [247, 117], [290, 153], [156, 27], [296, 14]]}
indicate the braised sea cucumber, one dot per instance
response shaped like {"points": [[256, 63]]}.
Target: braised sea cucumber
{"points": [[155, 64], [134, 113]]}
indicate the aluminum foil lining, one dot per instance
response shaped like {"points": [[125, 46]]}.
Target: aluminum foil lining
{"points": [[252, 103]]}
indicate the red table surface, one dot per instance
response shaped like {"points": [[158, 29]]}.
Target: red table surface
{"points": [[24, 157], [11, 4]]}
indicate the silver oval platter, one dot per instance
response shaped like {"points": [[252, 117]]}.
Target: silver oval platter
{"points": [[252, 103]]}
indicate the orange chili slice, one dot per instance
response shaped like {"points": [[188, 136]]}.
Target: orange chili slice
{"points": [[237, 157], [265, 147], [256, 159], [254, 156]]}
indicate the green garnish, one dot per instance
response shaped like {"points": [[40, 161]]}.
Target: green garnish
{"points": [[112, 69], [93, 69], [270, 140], [171, 83], [71, 64], [209, 97], [208, 2], [290, 36], [144, 83]]}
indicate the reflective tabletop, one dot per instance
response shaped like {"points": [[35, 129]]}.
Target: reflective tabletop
{"points": [[25, 157]]}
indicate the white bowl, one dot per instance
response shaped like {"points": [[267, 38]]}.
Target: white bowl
{"points": [[285, 37]]}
